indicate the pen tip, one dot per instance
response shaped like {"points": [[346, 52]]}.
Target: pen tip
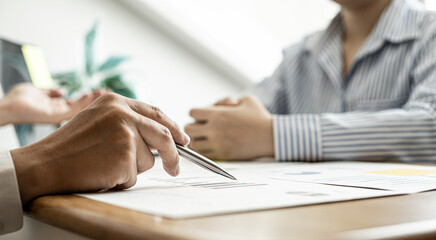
{"points": [[227, 175]]}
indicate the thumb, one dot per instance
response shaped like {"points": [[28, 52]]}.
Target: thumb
{"points": [[228, 101], [250, 100], [56, 93]]}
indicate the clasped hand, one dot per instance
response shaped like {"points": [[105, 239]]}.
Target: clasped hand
{"points": [[232, 130]]}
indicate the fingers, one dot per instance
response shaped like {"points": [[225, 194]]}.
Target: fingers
{"points": [[228, 101], [250, 99], [157, 115], [56, 93], [98, 93], [130, 182], [144, 157], [62, 109], [159, 137], [201, 145], [86, 99], [196, 130], [79, 104], [202, 114], [209, 153]]}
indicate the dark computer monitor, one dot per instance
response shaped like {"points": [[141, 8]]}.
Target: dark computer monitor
{"points": [[13, 70]]}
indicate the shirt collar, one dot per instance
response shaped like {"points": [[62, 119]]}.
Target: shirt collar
{"points": [[398, 23]]}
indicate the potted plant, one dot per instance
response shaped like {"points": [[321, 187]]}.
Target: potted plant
{"points": [[95, 75]]}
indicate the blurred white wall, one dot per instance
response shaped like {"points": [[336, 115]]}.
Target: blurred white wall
{"points": [[172, 77], [242, 39]]}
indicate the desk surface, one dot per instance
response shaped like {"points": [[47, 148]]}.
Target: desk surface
{"points": [[103, 221]]}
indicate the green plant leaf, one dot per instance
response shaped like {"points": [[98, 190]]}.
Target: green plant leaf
{"points": [[89, 49], [117, 85], [69, 80], [112, 63]]}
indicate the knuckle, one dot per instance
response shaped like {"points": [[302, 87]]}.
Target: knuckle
{"points": [[158, 113], [110, 97], [176, 126], [166, 135], [114, 112], [117, 114], [126, 133], [176, 130]]}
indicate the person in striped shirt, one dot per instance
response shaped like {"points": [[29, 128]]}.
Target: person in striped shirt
{"points": [[362, 89]]}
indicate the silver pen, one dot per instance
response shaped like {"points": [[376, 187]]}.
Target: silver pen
{"points": [[202, 161]]}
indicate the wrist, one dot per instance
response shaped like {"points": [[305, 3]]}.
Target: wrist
{"points": [[33, 176], [267, 147], [5, 112]]}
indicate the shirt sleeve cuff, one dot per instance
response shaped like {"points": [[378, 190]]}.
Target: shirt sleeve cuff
{"points": [[11, 212], [297, 137]]}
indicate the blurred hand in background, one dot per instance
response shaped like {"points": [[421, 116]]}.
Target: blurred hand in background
{"points": [[28, 104], [232, 130]]}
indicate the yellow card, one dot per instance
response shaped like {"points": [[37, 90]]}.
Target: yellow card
{"points": [[405, 172], [37, 66]]}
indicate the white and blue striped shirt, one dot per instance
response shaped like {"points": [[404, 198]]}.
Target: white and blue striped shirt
{"points": [[384, 108]]}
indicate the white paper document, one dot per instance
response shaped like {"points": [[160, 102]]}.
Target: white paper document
{"points": [[387, 176], [197, 192]]}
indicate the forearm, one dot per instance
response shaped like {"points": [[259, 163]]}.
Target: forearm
{"points": [[394, 134], [5, 112], [33, 174]]}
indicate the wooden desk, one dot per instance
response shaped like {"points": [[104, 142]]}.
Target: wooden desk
{"points": [[324, 221]]}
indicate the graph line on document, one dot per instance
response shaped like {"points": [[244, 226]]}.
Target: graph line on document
{"points": [[196, 182]]}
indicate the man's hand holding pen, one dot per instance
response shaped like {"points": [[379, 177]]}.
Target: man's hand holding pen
{"points": [[103, 147]]}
